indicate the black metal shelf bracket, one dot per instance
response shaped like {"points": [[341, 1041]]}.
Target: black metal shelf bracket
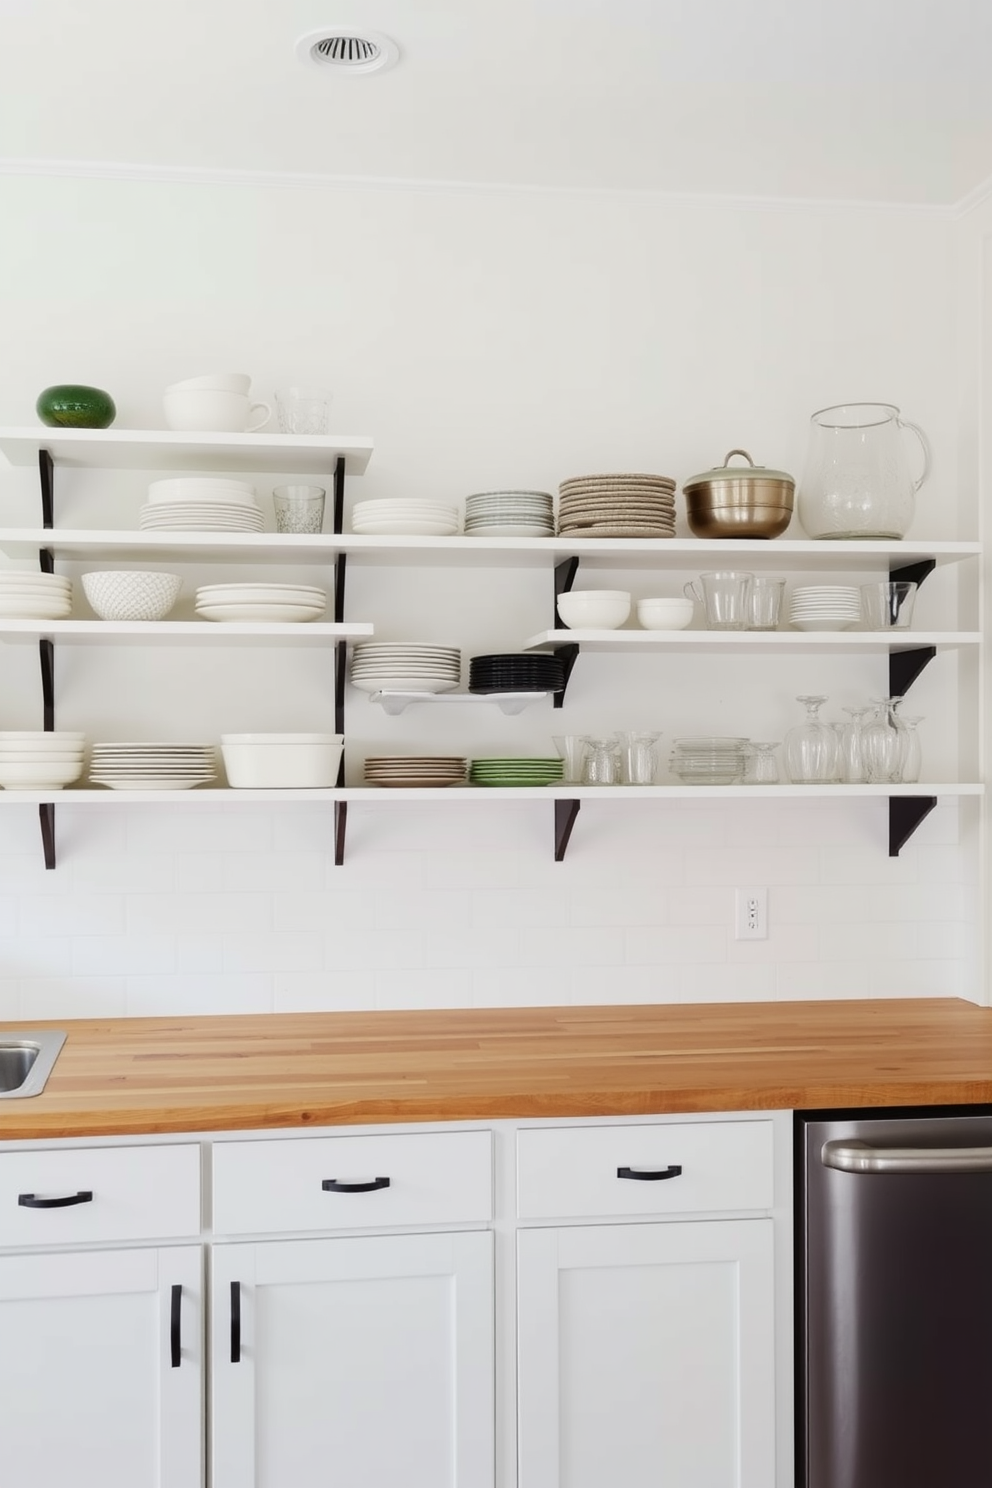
{"points": [[338, 503], [46, 656], [46, 649], [567, 655], [46, 816], [905, 815], [912, 573], [565, 572], [565, 814], [906, 666], [340, 661]]}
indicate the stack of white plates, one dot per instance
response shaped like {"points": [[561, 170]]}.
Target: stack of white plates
{"points": [[40, 760], [510, 514], [405, 517], [617, 506], [282, 602], [35, 596], [201, 503], [152, 766], [416, 769], [405, 666], [824, 607]]}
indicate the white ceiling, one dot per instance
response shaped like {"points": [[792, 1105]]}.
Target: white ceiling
{"points": [[875, 100]]}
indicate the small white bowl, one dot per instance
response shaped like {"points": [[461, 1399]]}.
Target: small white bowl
{"points": [[41, 774], [137, 595], [664, 614], [594, 609], [281, 766]]}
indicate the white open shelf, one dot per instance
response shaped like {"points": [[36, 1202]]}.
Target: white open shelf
{"points": [[510, 703], [774, 642], [163, 449], [179, 632]]}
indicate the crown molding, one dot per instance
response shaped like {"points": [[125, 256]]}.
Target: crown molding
{"points": [[106, 170], [979, 196]]}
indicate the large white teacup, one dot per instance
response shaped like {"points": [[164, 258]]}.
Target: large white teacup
{"points": [[214, 409], [225, 382]]}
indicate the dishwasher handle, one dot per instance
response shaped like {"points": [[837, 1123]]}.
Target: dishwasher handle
{"points": [[858, 1157]]}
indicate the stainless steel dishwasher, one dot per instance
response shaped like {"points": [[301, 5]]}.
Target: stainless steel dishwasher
{"points": [[894, 1299]]}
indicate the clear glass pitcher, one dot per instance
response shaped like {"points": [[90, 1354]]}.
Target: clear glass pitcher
{"points": [[857, 482]]}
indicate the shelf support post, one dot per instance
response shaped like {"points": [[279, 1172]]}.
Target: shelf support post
{"points": [[565, 814], [906, 666], [905, 815], [565, 572], [46, 656], [340, 829], [46, 816], [566, 655], [340, 667], [912, 573], [338, 503]]}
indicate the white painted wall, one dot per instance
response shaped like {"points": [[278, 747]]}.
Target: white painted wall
{"points": [[483, 339]]}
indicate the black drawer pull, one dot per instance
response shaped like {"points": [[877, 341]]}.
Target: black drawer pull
{"points": [[339, 1185], [235, 1322], [32, 1201], [651, 1175], [175, 1326]]}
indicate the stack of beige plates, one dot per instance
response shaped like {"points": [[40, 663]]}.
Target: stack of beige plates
{"points": [[617, 506], [405, 666], [251, 601], [35, 596], [415, 769], [152, 766], [201, 503]]}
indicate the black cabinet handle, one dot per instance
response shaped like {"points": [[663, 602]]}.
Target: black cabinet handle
{"points": [[651, 1175], [175, 1325], [32, 1201], [235, 1322], [339, 1185]]}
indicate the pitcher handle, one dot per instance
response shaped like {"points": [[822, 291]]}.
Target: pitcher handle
{"points": [[691, 591], [925, 443]]}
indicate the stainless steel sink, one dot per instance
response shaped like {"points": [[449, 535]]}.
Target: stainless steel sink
{"points": [[26, 1061]]}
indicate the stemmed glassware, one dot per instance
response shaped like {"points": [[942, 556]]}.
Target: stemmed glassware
{"points": [[912, 759], [638, 760], [811, 747], [853, 770], [761, 766], [884, 743], [601, 765]]}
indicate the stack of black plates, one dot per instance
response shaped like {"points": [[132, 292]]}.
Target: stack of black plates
{"points": [[515, 671]]}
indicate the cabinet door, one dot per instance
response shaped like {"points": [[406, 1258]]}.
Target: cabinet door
{"points": [[365, 1362], [101, 1369], [646, 1356]]}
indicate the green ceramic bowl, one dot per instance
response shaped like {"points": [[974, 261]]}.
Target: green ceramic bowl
{"points": [[70, 406]]}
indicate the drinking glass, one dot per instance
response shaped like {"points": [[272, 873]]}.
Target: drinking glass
{"points": [[764, 602], [303, 410], [884, 743], [638, 760], [725, 597], [299, 508], [761, 766], [852, 770], [912, 758], [888, 606], [572, 749], [811, 747], [601, 765]]}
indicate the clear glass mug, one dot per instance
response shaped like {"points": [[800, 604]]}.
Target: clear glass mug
{"points": [[638, 758], [764, 602], [857, 481], [725, 597]]}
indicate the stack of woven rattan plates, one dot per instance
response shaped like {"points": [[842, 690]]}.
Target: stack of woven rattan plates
{"points": [[405, 666], [541, 771], [152, 766], [254, 602], [510, 514], [415, 769], [617, 506]]}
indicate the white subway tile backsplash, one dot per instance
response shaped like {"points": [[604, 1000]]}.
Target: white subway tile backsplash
{"points": [[405, 908], [70, 914], [219, 912], [323, 992], [665, 945], [491, 909], [324, 910], [347, 949], [547, 986], [577, 946], [119, 955], [274, 951], [74, 997], [621, 903], [159, 996], [422, 988], [868, 942], [191, 828], [626, 984], [272, 872], [728, 983], [740, 866]]}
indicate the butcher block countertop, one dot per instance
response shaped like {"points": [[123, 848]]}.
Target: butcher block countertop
{"points": [[152, 1075]]}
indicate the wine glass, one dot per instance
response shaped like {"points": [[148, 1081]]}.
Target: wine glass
{"points": [[811, 746], [912, 758], [853, 770], [884, 743]]}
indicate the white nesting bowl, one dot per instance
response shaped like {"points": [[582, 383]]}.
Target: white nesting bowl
{"points": [[282, 761], [41, 739], [664, 614], [594, 609], [40, 774], [136, 595]]}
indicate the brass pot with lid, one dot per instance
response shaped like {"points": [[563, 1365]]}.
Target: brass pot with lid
{"points": [[739, 501]]}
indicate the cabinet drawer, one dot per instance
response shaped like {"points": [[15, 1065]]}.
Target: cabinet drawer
{"points": [[577, 1172], [342, 1183], [136, 1193]]}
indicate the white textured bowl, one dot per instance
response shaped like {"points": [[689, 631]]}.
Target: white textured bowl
{"points": [[40, 774], [135, 595], [603, 609], [278, 766], [664, 614]]}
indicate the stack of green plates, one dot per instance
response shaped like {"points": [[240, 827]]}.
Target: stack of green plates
{"points": [[515, 771]]}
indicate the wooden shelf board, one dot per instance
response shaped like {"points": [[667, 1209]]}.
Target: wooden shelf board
{"points": [[164, 449]]}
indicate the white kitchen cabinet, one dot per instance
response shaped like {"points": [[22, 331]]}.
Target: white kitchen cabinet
{"points": [[361, 1361], [101, 1368], [646, 1355]]}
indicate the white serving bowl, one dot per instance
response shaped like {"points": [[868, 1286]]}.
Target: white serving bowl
{"points": [[38, 739], [594, 609], [275, 762], [41, 774], [136, 595], [664, 614], [49, 756]]}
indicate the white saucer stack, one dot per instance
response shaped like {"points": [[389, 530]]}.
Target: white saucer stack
{"points": [[40, 760], [510, 514], [152, 766], [35, 596], [405, 666], [405, 516], [201, 504], [265, 602], [824, 607]]}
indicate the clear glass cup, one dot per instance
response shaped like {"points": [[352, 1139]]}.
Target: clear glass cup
{"points": [[761, 766], [912, 756], [888, 605], [572, 750], [638, 758], [724, 596], [764, 602], [852, 769], [811, 747], [884, 743], [601, 765], [301, 410], [299, 508]]}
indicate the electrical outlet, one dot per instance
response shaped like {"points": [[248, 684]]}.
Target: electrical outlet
{"points": [[751, 909]]}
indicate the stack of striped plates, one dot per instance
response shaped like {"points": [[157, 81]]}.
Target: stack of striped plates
{"points": [[510, 514], [617, 506], [515, 771], [415, 769], [152, 766]]}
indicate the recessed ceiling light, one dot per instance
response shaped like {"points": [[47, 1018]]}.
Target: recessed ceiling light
{"points": [[345, 49]]}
